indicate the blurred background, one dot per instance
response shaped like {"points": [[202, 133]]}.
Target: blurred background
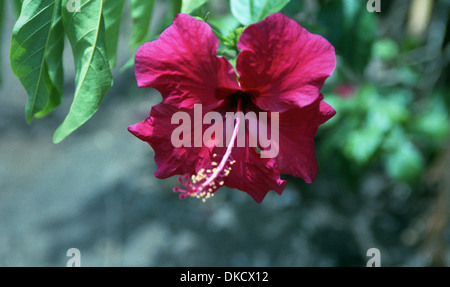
{"points": [[384, 160]]}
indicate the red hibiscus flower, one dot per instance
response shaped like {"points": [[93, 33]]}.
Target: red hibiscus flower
{"points": [[281, 69]]}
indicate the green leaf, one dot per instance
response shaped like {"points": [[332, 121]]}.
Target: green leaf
{"points": [[53, 64], [17, 7], [188, 6], [112, 11], [175, 7], [86, 33], [29, 44], [433, 123], [395, 105], [363, 143], [407, 76], [223, 23], [252, 11], [351, 29], [405, 163], [141, 12], [385, 49]]}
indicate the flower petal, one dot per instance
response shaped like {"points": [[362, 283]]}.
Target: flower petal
{"points": [[183, 65], [253, 175], [281, 64], [250, 173], [297, 130], [157, 131]]}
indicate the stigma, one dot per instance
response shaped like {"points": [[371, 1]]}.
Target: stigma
{"points": [[206, 181]]}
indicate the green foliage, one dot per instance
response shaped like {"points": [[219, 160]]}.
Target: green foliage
{"points": [[37, 47], [175, 9], [188, 6], [252, 11], [53, 65], [224, 24], [30, 47], [433, 122], [385, 49], [86, 33], [378, 124], [36, 58], [17, 5], [141, 12], [403, 160], [382, 122], [112, 12], [351, 29]]}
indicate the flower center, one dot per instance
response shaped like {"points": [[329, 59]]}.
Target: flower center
{"points": [[241, 99], [207, 181]]}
